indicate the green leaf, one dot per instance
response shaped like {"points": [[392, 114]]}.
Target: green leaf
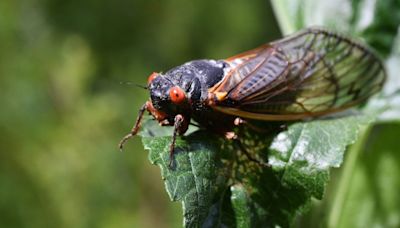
{"points": [[193, 178], [306, 151], [364, 193], [300, 158]]}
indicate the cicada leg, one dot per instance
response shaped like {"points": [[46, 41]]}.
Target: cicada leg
{"points": [[277, 126], [178, 121], [241, 122], [135, 127]]}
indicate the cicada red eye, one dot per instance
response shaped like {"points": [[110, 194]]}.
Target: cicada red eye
{"points": [[152, 77], [177, 95]]}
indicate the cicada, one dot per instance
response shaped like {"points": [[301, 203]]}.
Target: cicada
{"points": [[312, 73]]}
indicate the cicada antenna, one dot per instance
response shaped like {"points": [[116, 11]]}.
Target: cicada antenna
{"points": [[134, 84]]}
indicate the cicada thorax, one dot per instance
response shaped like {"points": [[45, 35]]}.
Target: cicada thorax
{"points": [[183, 89]]}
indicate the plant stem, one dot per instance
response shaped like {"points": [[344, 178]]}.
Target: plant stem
{"points": [[346, 177]]}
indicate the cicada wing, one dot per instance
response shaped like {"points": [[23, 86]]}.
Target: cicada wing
{"points": [[242, 65], [310, 73]]}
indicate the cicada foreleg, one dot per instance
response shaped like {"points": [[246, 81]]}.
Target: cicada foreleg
{"points": [[178, 124], [135, 127]]}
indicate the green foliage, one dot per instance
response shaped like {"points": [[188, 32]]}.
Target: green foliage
{"points": [[242, 206], [372, 190], [196, 181], [300, 156]]}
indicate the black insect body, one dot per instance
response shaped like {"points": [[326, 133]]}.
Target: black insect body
{"points": [[312, 73]]}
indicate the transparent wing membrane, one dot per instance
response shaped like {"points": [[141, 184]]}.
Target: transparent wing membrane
{"points": [[311, 73]]}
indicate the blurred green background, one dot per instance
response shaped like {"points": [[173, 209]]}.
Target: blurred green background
{"points": [[64, 108]]}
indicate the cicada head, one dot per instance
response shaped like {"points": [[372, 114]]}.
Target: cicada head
{"points": [[169, 98]]}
